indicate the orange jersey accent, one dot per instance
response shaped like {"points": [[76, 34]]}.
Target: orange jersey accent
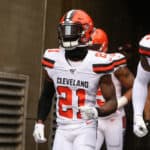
{"points": [[48, 63], [144, 52], [99, 98]]}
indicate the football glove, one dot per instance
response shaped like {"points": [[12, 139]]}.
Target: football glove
{"points": [[88, 112], [139, 127], [38, 133], [122, 101]]}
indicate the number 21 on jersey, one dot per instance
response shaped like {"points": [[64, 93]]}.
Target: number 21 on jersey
{"points": [[65, 101]]}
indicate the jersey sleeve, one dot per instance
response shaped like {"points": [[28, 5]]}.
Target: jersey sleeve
{"points": [[48, 59], [103, 64], [139, 93], [45, 101], [144, 45], [119, 60]]}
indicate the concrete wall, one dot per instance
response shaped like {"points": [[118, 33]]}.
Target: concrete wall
{"points": [[24, 25]]}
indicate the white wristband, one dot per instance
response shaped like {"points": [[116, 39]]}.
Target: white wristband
{"points": [[122, 101]]}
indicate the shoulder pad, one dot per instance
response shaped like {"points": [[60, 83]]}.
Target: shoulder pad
{"points": [[145, 41], [103, 63], [49, 57], [51, 52], [118, 59], [144, 45]]}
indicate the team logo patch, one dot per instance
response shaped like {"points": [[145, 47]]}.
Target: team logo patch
{"points": [[72, 70]]}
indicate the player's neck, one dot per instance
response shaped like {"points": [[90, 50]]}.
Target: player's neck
{"points": [[77, 54], [74, 63]]}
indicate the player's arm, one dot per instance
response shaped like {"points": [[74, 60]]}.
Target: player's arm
{"points": [[45, 101], [126, 78], [147, 108], [44, 107], [110, 106], [109, 93], [140, 88], [139, 96], [140, 91]]}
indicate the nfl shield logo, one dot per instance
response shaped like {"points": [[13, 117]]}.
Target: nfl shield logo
{"points": [[72, 70]]}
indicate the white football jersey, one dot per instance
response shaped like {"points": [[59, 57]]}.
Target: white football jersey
{"points": [[119, 61], [75, 85]]}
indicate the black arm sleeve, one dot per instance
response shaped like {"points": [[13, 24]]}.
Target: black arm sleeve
{"points": [[45, 101]]}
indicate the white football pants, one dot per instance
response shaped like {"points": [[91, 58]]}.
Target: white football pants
{"points": [[82, 138], [112, 130]]}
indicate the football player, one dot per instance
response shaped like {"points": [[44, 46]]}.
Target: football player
{"points": [[99, 40], [111, 128], [75, 73], [140, 88]]}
